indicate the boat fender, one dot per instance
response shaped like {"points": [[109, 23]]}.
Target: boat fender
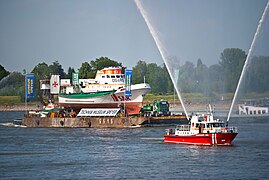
{"points": [[62, 123], [37, 122]]}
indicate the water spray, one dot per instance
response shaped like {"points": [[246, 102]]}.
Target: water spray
{"points": [[248, 57], [160, 48]]}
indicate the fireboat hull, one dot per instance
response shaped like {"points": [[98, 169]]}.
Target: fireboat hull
{"points": [[202, 139]]}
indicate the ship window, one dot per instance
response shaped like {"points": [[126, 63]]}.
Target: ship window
{"points": [[254, 112], [103, 76], [263, 111], [117, 76], [259, 111], [215, 125], [112, 76], [250, 112], [108, 76], [200, 119]]}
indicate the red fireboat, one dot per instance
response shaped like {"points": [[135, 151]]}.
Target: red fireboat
{"points": [[202, 130]]}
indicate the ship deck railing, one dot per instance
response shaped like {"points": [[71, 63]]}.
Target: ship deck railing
{"points": [[226, 130]]}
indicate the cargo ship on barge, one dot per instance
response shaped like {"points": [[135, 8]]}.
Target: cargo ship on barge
{"points": [[90, 103], [106, 90]]}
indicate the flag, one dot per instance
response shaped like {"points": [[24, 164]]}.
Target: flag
{"points": [[75, 79], [29, 86], [128, 82], [55, 84]]}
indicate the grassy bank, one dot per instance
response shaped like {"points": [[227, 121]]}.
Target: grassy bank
{"points": [[188, 97], [201, 98], [10, 100]]}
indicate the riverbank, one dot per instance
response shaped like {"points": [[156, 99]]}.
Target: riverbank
{"points": [[217, 106], [19, 107]]}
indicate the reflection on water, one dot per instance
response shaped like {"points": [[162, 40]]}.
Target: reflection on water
{"points": [[98, 153]]}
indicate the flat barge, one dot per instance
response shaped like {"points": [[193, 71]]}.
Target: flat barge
{"points": [[100, 122]]}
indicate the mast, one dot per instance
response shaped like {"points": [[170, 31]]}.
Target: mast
{"points": [[25, 99], [124, 92]]}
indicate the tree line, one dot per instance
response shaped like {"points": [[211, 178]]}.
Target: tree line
{"points": [[208, 80], [199, 78], [12, 83]]}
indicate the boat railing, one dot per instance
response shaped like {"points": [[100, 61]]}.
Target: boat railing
{"points": [[169, 131], [232, 129], [226, 130], [219, 130]]}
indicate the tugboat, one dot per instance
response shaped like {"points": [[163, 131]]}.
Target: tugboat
{"points": [[203, 129]]}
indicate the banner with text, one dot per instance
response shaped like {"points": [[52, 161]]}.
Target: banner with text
{"points": [[128, 82], [85, 112], [29, 86], [75, 78]]}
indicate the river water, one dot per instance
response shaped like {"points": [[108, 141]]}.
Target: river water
{"points": [[134, 153]]}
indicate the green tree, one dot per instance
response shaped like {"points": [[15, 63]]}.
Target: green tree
{"points": [[42, 71], [12, 85], [103, 62], [232, 61], [56, 68], [156, 76], [139, 72], [85, 70], [165, 84], [186, 80], [3, 72], [201, 77], [216, 78], [256, 78], [152, 77], [169, 84], [69, 73]]}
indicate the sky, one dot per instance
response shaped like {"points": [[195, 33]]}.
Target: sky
{"points": [[72, 32]]}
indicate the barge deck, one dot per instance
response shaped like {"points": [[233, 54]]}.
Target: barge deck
{"points": [[101, 122]]}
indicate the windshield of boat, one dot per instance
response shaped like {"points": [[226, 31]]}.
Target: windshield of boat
{"points": [[183, 128]]}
